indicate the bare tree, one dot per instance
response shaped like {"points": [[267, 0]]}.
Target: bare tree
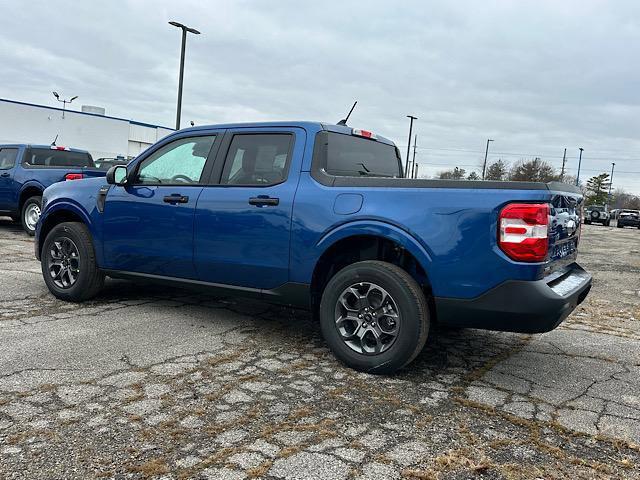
{"points": [[455, 174]]}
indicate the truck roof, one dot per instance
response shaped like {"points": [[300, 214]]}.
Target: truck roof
{"points": [[307, 125], [31, 145]]}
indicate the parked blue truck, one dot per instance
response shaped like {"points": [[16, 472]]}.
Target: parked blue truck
{"points": [[26, 170], [318, 216]]}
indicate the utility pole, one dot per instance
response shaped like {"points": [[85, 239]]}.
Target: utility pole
{"points": [[417, 170], [613, 165], [486, 152], [564, 160], [579, 165], [413, 163], [406, 166], [185, 29]]}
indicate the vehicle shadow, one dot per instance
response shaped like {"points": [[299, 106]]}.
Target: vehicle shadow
{"points": [[454, 354], [8, 225]]}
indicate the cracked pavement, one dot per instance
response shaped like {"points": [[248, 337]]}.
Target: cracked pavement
{"points": [[146, 382]]}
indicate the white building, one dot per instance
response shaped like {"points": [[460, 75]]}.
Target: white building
{"points": [[90, 129]]}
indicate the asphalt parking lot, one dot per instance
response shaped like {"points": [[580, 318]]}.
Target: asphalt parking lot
{"points": [[146, 382]]}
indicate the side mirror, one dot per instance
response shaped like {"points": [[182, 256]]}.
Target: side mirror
{"points": [[117, 175]]}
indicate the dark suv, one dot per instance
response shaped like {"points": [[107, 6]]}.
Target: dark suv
{"points": [[629, 218]]}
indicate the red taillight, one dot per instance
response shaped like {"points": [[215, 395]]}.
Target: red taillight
{"points": [[58, 147], [73, 176], [524, 231]]}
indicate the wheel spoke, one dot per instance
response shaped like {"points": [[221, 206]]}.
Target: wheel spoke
{"points": [[379, 346]]}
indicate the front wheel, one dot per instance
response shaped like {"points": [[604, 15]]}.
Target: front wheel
{"points": [[68, 263], [31, 210], [374, 317]]}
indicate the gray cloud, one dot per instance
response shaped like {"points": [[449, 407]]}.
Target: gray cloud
{"points": [[535, 76]]}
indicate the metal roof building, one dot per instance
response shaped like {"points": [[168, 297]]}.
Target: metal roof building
{"points": [[101, 135]]}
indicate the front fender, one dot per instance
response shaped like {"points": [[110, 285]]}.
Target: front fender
{"points": [[376, 228], [58, 205]]}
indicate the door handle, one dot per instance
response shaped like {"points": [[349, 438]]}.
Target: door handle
{"points": [[4, 174], [176, 198], [263, 200]]}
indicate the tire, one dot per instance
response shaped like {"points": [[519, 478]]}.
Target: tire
{"points": [[374, 279], [607, 223], [618, 225], [88, 278], [31, 207]]}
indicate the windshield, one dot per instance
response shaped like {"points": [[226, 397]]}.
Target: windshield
{"points": [[597, 208], [350, 156], [44, 157]]}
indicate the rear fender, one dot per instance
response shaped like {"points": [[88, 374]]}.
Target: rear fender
{"points": [[376, 228]]}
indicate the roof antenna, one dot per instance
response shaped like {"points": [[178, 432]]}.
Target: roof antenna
{"points": [[344, 120], [53, 144]]}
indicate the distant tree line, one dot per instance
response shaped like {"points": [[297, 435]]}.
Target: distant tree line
{"points": [[534, 170], [596, 190]]}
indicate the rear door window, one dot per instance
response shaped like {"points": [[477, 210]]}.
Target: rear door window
{"points": [[43, 157], [257, 159]]}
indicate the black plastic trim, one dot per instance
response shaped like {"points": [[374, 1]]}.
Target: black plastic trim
{"points": [[515, 305], [290, 293]]}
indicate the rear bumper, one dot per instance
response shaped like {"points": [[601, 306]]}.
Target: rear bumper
{"points": [[628, 222], [519, 306]]}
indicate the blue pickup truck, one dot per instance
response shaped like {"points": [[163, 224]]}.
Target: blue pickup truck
{"points": [[26, 170], [318, 216]]}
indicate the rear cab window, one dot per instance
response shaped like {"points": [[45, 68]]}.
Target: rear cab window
{"points": [[343, 155], [50, 158]]}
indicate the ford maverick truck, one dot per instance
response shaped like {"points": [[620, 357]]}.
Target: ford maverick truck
{"points": [[318, 216], [26, 170]]}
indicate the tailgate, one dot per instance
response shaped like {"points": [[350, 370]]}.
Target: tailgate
{"points": [[564, 226], [93, 172]]}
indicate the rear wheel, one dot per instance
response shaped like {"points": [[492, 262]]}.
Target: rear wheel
{"points": [[374, 317], [31, 210], [69, 263], [607, 223]]}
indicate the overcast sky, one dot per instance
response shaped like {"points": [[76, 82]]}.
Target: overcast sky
{"points": [[536, 76]]}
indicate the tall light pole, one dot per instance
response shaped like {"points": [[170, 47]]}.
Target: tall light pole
{"points": [[413, 162], [613, 165], [486, 152], [185, 29], [579, 165], [63, 101], [406, 165]]}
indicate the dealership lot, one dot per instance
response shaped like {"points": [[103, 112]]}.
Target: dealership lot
{"points": [[154, 382]]}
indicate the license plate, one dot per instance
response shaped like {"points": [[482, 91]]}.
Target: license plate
{"points": [[563, 250]]}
